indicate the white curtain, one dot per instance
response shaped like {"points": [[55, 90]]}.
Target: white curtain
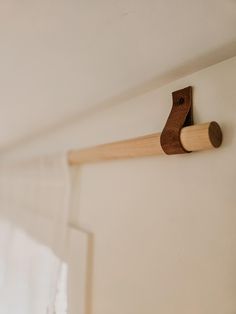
{"points": [[34, 198]]}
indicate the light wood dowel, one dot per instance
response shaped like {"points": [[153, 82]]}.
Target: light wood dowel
{"points": [[193, 138]]}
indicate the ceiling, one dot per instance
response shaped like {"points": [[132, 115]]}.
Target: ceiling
{"points": [[60, 58]]}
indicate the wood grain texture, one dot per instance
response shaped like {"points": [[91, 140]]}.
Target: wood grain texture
{"points": [[193, 138]]}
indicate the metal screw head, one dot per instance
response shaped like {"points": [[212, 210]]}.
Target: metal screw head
{"points": [[180, 101]]}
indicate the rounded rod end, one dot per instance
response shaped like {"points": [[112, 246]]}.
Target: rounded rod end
{"points": [[201, 136], [215, 134]]}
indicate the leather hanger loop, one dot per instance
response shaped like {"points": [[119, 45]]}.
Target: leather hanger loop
{"points": [[181, 115]]}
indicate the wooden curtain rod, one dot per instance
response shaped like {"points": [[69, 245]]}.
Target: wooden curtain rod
{"points": [[179, 136], [193, 138]]}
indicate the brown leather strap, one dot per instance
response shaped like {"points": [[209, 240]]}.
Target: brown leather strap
{"points": [[181, 115]]}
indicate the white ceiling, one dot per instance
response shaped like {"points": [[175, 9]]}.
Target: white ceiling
{"points": [[62, 57]]}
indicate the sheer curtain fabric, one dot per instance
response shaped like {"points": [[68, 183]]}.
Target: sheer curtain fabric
{"points": [[34, 201]]}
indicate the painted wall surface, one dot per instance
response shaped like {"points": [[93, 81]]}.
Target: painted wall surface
{"points": [[162, 230]]}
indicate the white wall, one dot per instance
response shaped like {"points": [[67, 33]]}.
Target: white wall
{"points": [[162, 229]]}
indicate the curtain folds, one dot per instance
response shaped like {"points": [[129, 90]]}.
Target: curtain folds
{"points": [[34, 206]]}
